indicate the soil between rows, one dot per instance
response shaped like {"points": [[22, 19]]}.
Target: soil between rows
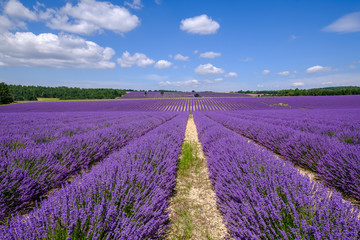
{"points": [[193, 210]]}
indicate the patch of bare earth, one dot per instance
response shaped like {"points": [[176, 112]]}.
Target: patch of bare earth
{"points": [[193, 210]]}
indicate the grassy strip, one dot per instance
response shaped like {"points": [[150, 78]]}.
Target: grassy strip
{"points": [[189, 160], [193, 211], [187, 214], [182, 224]]}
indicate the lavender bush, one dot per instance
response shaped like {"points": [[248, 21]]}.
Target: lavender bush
{"points": [[342, 124], [131, 95], [336, 162], [175, 105], [29, 169], [192, 104], [263, 197], [123, 197]]}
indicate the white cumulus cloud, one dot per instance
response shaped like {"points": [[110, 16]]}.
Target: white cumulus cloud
{"points": [[191, 82], [297, 84], [199, 25], [90, 16], [16, 9], [139, 59], [50, 50], [179, 57], [5, 24], [327, 83], [135, 4], [285, 73], [155, 77], [352, 66], [231, 74], [318, 69], [162, 64], [346, 24], [248, 59], [265, 72], [316, 81], [210, 54], [208, 69], [216, 80]]}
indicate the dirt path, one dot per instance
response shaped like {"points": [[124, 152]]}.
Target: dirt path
{"points": [[194, 214]]}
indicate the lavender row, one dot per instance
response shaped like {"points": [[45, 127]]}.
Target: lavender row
{"points": [[329, 117], [195, 104], [222, 95], [40, 128], [263, 197], [130, 95], [176, 105], [28, 173], [31, 122], [313, 102], [145, 94], [342, 124], [336, 163], [123, 197]]}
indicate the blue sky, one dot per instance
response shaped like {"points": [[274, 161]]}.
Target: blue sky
{"points": [[181, 45]]}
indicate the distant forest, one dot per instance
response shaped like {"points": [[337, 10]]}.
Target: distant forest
{"points": [[11, 93], [31, 93], [348, 90]]}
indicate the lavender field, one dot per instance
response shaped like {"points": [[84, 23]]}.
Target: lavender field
{"points": [[107, 169], [132, 95]]}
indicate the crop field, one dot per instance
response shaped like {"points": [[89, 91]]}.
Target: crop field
{"points": [[279, 167], [132, 95]]}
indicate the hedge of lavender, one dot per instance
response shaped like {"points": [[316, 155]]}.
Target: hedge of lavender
{"points": [[190, 104], [32, 162], [173, 105], [263, 197], [123, 197], [222, 95], [342, 124], [313, 102], [23, 129], [131, 95], [337, 163]]}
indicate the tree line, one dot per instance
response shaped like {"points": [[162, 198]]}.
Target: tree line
{"points": [[320, 91], [31, 93], [10, 93], [348, 90], [5, 96]]}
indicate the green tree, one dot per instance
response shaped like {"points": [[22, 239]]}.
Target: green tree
{"points": [[31, 96], [5, 96]]}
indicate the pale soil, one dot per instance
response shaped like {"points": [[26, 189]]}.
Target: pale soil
{"points": [[195, 195]]}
